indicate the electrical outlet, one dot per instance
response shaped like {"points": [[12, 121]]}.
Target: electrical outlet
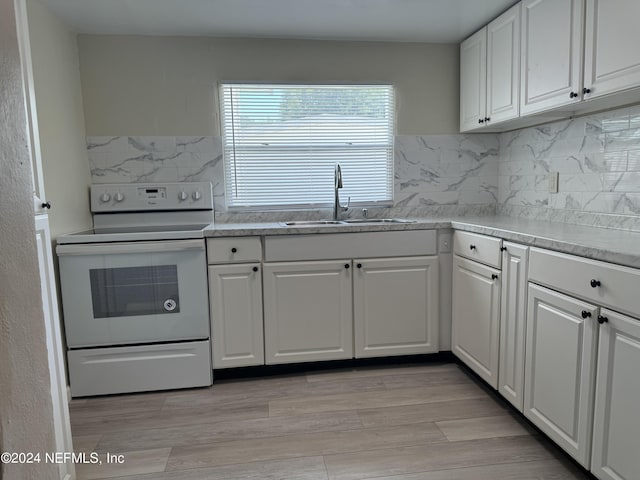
{"points": [[444, 243], [553, 182]]}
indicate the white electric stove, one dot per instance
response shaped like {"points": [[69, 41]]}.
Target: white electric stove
{"points": [[134, 290]]}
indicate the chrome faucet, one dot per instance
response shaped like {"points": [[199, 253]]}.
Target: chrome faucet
{"points": [[337, 184]]}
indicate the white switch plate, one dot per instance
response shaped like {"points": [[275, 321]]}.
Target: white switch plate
{"points": [[444, 243], [553, 182]]}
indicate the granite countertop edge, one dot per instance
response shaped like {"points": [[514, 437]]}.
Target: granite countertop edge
{"points": [[621, 247]]}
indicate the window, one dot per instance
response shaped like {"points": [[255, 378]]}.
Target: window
{"points": [[282, 142]]}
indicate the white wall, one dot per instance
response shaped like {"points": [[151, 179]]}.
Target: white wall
{"points": [[58, 93], [137, 85], [25, 402]]}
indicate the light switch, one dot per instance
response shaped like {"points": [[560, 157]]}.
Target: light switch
{"points": [[553, 182]]}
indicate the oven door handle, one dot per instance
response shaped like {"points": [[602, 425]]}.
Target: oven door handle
{"points": [[129, 247]]}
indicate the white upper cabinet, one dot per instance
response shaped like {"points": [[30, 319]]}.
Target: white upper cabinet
{"points": [[551, 54], [612, 56], [473, 81], [503, 66], [490, 73]]}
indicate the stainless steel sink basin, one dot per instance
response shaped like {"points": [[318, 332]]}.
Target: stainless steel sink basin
{"points": [[312, 222], [378, 220]]}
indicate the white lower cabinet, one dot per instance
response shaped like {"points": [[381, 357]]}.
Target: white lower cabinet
{"points": [[616, 433], [513, 312], [561, 344], [395, 306], [308, 311], [235, 293], [476, 317]]}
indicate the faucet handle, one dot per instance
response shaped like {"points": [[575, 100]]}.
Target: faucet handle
{"points": [[344, 209]]}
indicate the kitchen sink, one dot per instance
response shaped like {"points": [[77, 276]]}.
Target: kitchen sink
{"points": [[311, 223], [378, 220], [299, 223]]}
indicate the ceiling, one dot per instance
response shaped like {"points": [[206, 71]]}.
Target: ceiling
{"points": [[440, 21]]}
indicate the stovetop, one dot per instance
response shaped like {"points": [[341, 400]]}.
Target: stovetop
{"points": [[147, 212]]}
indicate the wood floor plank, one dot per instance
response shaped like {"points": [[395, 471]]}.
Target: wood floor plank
{"points": [[303, 468], [538, 470], [389, 398], [86, 443], [297, 389], [117, 405], [302, 445], [161, 419], [485, 427], [135, 463], [431, 412], [207, 433], [381, 371], [438, 456]]}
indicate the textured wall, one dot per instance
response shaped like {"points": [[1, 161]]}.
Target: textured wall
{"points": [[25, 403], [598, 160], [136, 85], [56, 73]]}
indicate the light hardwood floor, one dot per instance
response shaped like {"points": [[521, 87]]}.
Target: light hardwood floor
{"points": [[413, 422]]}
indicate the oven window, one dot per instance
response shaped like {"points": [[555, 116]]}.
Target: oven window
{"points": [[130, 291]]}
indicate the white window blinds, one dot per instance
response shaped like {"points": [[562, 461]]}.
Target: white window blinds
{"points": [[281, 144]]}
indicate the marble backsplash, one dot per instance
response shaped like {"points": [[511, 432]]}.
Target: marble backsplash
{"points": [[597, 157], [435, 175], [598, 161]]}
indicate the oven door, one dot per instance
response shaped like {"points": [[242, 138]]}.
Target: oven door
{"points": [[134, 293]]}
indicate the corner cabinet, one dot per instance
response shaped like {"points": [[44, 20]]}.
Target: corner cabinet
{"points": [[308, 311], [612, 57], [490, 73], [395, 306], [513, 312], [551, 73], [560, 365], [476, 317], [616, 433]]}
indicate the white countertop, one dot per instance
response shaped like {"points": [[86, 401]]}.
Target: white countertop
{"points": [[610, 245]]}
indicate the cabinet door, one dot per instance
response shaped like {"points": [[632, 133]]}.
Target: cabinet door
{"points": [[616, 434], [560, 369], [476, 317], [308, 311], [395, 306], [513, 311], [473, 81], [551, 67], [57, 375], [235, 303], [503, 66], [611, 57], [22, 26]]}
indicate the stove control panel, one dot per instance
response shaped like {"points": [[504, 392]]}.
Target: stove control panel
{"points": [[143, 197]]}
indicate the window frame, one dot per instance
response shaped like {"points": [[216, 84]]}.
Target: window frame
{"points": [[310, 205]]}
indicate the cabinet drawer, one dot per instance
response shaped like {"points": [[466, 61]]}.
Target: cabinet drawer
{"points": [[476, 247], [237, 249], [618, 286]]}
